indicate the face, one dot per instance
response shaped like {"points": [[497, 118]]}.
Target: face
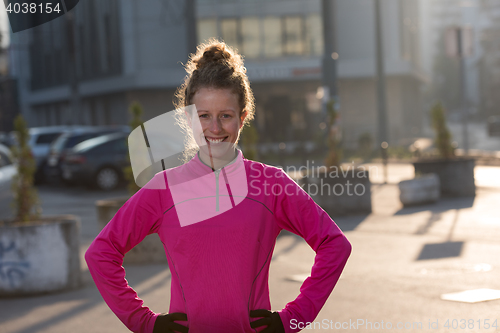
{"points": [[219, 122]]}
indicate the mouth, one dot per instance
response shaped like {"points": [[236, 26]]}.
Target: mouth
{"points": [[212, 140]]}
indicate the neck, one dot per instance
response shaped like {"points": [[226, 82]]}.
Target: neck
{"points": [[217, 163]]}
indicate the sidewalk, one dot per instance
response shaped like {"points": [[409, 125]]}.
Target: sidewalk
{"points": [[402, 261]]}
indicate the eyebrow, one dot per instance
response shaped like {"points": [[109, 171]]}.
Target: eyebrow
{"points": [[226, 110]]}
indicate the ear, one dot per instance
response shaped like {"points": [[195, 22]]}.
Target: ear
{"points": [[242, 118]]}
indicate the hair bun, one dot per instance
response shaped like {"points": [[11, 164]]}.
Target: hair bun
{"points": [[215, 54], [216, 65]]}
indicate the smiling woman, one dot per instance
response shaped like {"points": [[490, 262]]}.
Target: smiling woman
{"points": [[217, 84], [218, 221], [221, 121]]}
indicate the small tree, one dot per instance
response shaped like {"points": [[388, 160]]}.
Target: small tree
{"points": [[26, 204], [136, 111], [334, 155], [443, 136]]}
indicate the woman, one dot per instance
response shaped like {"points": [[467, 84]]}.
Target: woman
{"points": [[218, 216]]}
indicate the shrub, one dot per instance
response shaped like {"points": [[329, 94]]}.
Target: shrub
{"points": [[443, 136], [26, 204], [334, 155]]}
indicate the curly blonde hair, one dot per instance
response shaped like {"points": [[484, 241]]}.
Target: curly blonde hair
{"points": [[214, 65]]}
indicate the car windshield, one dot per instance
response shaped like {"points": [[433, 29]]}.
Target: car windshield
{"points": [[74, 140], [47, 138], [68, 140], [57, 145], [91, 143]]}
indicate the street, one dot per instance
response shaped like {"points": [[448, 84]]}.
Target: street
{"points": [[403, 260], [478, 136]]}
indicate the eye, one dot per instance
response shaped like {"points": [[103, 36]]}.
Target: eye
{"points": [[204, 115], [226, 116]]}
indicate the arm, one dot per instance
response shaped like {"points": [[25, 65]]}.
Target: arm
{"points": [[298, 213], [139, 216]]}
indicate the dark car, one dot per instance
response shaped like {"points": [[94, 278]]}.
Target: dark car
{"points": [[98, 162], [66, 141], [4, 139]]}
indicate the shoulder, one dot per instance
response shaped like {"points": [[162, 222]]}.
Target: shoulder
{"points": [[266, 172], [169, 175], [263, 169]]}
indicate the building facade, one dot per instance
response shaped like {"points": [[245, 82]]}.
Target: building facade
{"points": [[128, 50], [123, 51]]}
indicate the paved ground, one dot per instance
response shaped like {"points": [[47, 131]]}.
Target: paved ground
{"points": [[403, 260]]}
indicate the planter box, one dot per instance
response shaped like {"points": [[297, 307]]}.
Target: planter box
{"points": [[420, 190], [150, 250], [340, 193], [40, 257], [456, 176]]}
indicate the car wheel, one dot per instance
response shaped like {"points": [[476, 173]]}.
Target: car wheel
{"points": [[107, 179], [39, 176], [68, 182]]}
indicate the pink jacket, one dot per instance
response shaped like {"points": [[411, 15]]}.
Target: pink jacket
{"points": [[219, 230]]}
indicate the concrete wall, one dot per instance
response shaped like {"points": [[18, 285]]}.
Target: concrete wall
{"points": [[40, 258]]}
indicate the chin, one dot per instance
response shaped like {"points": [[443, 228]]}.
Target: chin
{"points": [[221, 151]]}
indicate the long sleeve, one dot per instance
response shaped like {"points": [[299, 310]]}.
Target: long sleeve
{"points": [[298, 213], [139, 216]]}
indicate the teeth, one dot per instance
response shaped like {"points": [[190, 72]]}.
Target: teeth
{"points": [[215, 140]]}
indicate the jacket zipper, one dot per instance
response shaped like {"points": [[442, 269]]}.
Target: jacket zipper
{"points": [[217, 172]]}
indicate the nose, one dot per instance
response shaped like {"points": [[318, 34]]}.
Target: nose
{"points": [[215, 125]]}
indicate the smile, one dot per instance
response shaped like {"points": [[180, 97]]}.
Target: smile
{"points": [[215, 140]]}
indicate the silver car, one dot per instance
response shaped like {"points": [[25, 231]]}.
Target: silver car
{"points": [[39, 142], [7, 172]]}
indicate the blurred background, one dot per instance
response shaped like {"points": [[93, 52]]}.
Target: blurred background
{"points": [[86, 68], [338, 78]]}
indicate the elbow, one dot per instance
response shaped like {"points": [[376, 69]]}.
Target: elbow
{"points": [[90, 254], [348, 247]]}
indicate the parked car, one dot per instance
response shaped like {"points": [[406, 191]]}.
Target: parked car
{"points": [[98, 162], [494, 126], [7, 172], [66, 141], [40, 140], [4, 139]]}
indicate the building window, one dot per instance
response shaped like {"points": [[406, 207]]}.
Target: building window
{"points": [[314, 35], [83, 53], [250, 37], [52, 44], [93, 113], [294, 43], [267, 37], [107, 113], [405, 31], [58, 114], [229, 32], [95, 61], [108, 44], [272, 37], [207, 28]]}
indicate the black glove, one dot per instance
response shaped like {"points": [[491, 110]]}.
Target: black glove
{"points": [[165, 323], [271, 319]]}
